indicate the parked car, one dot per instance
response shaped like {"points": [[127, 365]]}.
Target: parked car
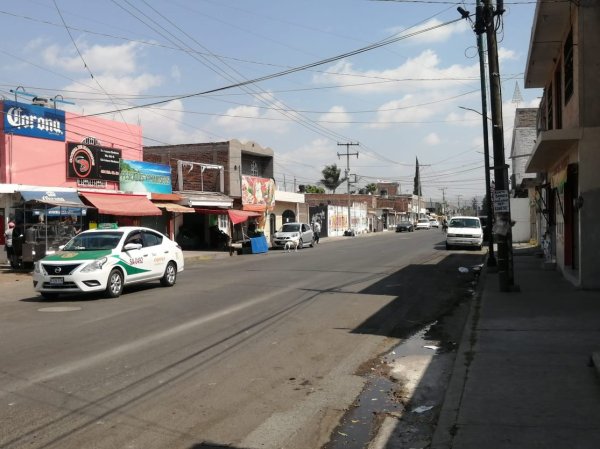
{"points": [[108, 260], [423, 223], [464, 231], [405, 226], [301, 233], [434, 223]]}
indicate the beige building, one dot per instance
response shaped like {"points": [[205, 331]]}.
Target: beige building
{"points": [[564, 60]]}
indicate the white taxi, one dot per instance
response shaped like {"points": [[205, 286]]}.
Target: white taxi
{"points": [[107, 260]]}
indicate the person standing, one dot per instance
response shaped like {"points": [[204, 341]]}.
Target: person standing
{"points": [[8, 241], [317, 231]]}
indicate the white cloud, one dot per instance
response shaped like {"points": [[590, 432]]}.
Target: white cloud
{"points": [[505, 54], [241, 119], [423, 72], [432, 139], [176, 73], [441, 34], [335, 118], [99, 59], [402, 111]]}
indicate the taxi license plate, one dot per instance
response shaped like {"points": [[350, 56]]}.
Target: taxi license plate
{"points": [[57, 281]]}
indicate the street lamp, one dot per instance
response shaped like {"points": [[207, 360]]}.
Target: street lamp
{"points": [[491, 260]]}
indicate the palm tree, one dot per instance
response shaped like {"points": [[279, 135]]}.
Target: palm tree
{"points": [[331, 177]]}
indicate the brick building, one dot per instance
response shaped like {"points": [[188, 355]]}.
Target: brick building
{"points": [[227, 183]]}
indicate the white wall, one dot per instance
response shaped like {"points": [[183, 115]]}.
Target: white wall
{"points": [[520, 214]]}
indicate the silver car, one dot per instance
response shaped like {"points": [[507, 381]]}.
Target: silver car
{"points": [[299, 233]]}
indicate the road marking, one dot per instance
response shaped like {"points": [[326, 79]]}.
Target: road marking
{"points": [[59, 309]]}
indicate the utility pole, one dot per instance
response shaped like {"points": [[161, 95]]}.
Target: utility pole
{"points": [[503, 227], [443, 189], [491, 259], [459, 197], [348, 154]]}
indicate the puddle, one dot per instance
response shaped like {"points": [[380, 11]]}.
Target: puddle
{"points": [[381, 395]]}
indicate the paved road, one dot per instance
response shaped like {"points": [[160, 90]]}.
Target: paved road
{"points": [[250, 351]]}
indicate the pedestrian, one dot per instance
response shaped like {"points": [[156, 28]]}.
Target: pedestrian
{"points": [[317, 231], [8, 241]]}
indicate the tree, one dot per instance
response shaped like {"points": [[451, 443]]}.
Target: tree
{"points": [[311, 189], [368, 189], [331, 177]]}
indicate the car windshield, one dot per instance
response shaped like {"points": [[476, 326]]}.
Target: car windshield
{"points": [[423, 221], [290, 227], [465, 223], [90, 241]]}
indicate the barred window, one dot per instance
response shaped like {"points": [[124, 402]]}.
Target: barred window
{"points": [[568, 66]]}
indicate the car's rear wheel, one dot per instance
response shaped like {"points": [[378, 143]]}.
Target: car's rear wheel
{"points": [[114, 286], [170, 276]]}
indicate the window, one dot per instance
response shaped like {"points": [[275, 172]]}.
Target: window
{"points": [[549, 107], [152, 239], [253, 168], [568, 66], [558, 98], [135, 237]]}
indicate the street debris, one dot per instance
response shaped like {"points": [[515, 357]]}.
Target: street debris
{"points": [[422, 409], [435, 348]]}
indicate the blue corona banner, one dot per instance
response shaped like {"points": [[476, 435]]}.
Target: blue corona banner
{"points": [[140, 176], [33, 121]]}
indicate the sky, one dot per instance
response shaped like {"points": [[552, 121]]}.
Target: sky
{"points": [[175, 67]]}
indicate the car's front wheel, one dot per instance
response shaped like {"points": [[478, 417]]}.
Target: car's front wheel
{"points": [[300, 244], [114, 286], [170, 276]]}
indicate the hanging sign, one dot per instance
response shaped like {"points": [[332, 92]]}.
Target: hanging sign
{"points": [[33, 121]]}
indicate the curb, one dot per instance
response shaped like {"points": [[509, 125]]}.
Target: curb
{"points": [[445, 428]]}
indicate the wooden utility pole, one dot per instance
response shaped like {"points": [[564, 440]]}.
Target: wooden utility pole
{"points": [[503, 226], [348, 154]]}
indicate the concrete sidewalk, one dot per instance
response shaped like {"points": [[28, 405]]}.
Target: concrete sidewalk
{"points": [[523, 376]]}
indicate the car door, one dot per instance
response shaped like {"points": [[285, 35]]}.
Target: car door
{"points": [[158, 252], [307, 234], [137, 262]]}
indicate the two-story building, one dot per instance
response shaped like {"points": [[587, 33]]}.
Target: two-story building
{"points": [[51, 160], [564, 60], [227, 183]]}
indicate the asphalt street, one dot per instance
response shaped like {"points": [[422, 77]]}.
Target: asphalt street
{"points": [[250, 351]]}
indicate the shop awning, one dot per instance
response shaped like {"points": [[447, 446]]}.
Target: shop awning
{"points": [[172, 197], [65, 199], [175, 208], [239, 216], [121, 204]]}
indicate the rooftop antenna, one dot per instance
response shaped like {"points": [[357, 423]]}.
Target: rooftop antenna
{"points": [[517, 97]]}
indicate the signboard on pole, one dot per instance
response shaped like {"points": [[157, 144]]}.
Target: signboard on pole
{"points": [[501, 201]]}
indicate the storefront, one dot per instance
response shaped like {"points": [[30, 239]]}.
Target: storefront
{"points": [[44, 219]]}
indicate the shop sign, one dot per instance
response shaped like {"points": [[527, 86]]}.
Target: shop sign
{"points": [[33, 121], [140, 176], [92, 162]]}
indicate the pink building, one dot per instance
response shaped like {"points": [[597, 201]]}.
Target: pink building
{"points": [[51, 159]]}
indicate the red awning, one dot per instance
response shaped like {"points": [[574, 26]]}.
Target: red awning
{"points": [[239, 216], [121, 204]]}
